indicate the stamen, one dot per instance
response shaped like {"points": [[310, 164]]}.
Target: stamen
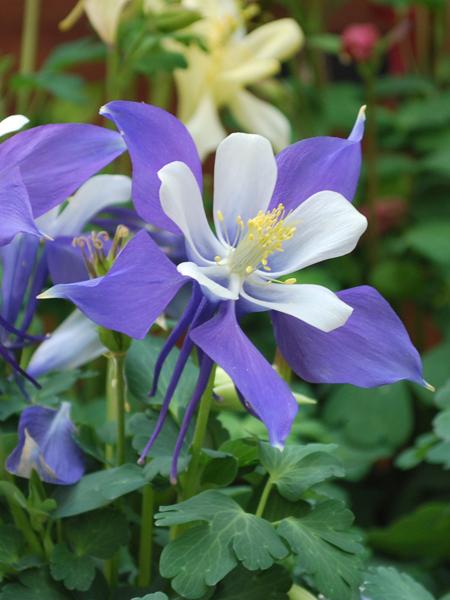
{"points": [[290, 281]]}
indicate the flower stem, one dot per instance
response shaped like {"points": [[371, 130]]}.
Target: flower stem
{"points": [[264, 497], [116, 392], [193, 475], [30, 29], [146, 537]]}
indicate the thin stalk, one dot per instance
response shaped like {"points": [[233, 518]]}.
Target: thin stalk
{"points": [[113, 84], [193, 475], [146, 537], [264, 497], [116, 394], [30, 31], [22, 522]]}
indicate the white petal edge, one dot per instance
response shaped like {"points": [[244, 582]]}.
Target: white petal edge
{"points": [[245, 174], [93, 196], [313, 304], [12, 123], [261, 117], [182, 202], [327, 226], [72, 344], [199, 274]]}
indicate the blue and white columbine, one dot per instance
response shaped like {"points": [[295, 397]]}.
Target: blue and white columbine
{"points": [[272, 217]]}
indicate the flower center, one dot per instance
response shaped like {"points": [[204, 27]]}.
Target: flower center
{"points": [[256, 241]]}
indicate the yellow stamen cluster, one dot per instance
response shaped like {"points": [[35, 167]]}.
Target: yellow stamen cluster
{"points": [[265, 234]]}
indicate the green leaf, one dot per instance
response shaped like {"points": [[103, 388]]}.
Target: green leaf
{"points": [[74, 53], [326, 549], [141, 426], [98, 489], [155, 596], [272, 584], [219, 469], [207, 552], [371, 417], [423, 533], [431, 240], [11, 544], [385, 583], [298, 468], [435, 369], [245, 450], [441, 425], [76, 572], [99, 533], [35, 584], [140, 363]]}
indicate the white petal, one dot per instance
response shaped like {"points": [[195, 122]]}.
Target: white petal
{"points": [[74, 343], [279, 39], [93, 196], [12, 123], [313, 304], [251, 71], [202, 276], [182, 202], [327, 226], [245, 174], [261, 117], [205, 127], [104, 16]]}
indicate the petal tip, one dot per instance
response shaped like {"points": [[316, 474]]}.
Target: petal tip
{"points": [[428, 386]]}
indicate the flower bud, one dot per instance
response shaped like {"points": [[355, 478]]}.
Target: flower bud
{"points": [[359, 41]]}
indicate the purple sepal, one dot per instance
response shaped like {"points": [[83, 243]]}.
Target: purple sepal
{"points": [[373, 348], [55, 160], [265, 393], [154, 138], [46, 445], [15, 209], [131, 296], [65, 262], [317, 164]]}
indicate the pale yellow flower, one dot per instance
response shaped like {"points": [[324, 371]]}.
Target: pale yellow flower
{"points": [[218, 78], [104, 16]]}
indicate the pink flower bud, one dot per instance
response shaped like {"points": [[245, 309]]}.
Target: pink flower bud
{"points": [[358, 41]]}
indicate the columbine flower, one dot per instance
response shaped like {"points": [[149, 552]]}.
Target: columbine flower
{"points": [[39, 169], [218, 78], [272, 217], [104, 16], [46, 445]]}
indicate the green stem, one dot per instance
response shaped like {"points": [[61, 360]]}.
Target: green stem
{"points": [[113, 87], [264, 497], [193, 475], [116, 393], [30, 30], [146, 537], [22, 522]]}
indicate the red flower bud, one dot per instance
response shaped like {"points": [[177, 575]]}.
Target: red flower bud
{"points": [[358, 41]]}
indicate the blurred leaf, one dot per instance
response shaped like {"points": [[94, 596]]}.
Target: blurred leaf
{"points": [[298, 468], [160, 60], [11, 545], [435, 370], [62, 85], [386, 583], [327, 549], [371, 417], [141, 426], [98, 489], [441, 425], [327, 42], [397, 278], [76, 572], [272, 584], [155, 596], [35, 584], [423, 533], [406, 85], [74, 53], [99, 533], [205, 553]]}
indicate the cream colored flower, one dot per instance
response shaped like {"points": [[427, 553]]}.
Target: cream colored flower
{"points": [[104, 16], [219, 77]]}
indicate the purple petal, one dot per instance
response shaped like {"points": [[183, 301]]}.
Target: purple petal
{"points": [[373, 348], [46, 445], [154, 138], [55, 160], [132, 295], [15, 209], [65, 262], [317, 164], [266, 394]]}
